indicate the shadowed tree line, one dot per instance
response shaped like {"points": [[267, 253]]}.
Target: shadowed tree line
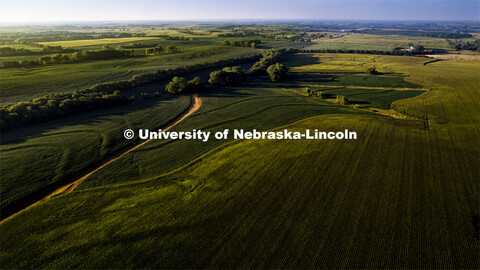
{"points": [[59, 105], [229, 76]]}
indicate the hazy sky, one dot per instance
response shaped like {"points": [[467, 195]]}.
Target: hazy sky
{"points": [[107, 10]]}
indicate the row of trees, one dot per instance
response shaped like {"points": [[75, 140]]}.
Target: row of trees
{"points": [[233, 75], [304, 37], [239, 34], [462, 45], [8, 51], [268, 64], [106, 53], [242, 43], [269, 57], [55, 106], [46, 49], [33, 37], [157, 50]]}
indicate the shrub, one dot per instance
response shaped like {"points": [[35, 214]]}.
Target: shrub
{"points": [[342, 100], [307, 91], [172, 49], [372, 71], [321, 95]]}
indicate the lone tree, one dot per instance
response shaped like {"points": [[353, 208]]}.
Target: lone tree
{"points": [[372, 71], [171, 49], [277, 72]]}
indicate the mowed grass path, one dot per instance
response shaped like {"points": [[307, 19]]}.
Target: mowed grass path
{"points": [[399, 196]]}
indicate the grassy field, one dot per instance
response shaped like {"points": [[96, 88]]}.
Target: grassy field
{"points": [[22, 46], [321, 45], [404, 195], [386, 41], [101, 41]]}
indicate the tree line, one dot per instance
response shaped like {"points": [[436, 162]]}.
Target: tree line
{"points": [[157, 50], [462, 45], [168, 37], [105, 53], [267, 64], [420, 51], [59, 105], [29, 38], [253, 43], [46, 49], [269, 57]]}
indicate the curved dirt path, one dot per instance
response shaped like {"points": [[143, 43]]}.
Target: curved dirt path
{"points": [[195, 104]]}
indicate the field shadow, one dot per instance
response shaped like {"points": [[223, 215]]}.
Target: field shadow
{"points": [[87, 118], [298, 60]]}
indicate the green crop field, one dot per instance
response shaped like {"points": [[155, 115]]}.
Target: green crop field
{"points": [[90, 42], [404, 194], [73, 143], [322, 45], [381, 42]]}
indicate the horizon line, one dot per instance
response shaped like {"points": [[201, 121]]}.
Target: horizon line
{"points": [[236, 20]]}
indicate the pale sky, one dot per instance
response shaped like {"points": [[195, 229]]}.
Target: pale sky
{"points": [[14, 11]]}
